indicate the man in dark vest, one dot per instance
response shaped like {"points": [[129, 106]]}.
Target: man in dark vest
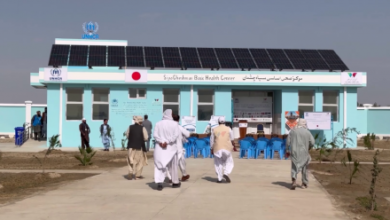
{"points": [[84, 132], [137, 136]]}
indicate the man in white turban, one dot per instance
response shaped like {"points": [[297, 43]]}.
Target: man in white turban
{"points": [[299, 141], [166, 134]]}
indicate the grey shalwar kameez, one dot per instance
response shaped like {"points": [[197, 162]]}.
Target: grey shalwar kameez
{"points": [[300, 140]]}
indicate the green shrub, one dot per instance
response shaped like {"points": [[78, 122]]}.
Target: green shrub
{"points": [[86, 155], [369, 141], [352, 170]]}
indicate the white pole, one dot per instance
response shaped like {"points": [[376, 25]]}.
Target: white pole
{"points": [[191, 99], [345, 111], [28, 111], [60, 112]]}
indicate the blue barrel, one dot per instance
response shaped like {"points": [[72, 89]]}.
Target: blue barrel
{"points": [[19, 136]]}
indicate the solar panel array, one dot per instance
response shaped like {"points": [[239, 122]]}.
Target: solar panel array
{"points": [[187, 57]]}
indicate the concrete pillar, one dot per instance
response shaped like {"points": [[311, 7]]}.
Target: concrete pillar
{"points": [[28, 105]]}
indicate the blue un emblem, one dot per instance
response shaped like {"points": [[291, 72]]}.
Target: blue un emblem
{"points": [[90, 30]]}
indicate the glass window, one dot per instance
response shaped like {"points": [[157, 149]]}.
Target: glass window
{"points": [[306, 102], [171, 99], [331, 103], [74, 94], [135, 93], [100, 103], [205, 104], [74, 104]]}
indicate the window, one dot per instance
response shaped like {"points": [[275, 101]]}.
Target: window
{"points": [[205, 104], [74, 103], [171, 99], [306, 102], [331, 103], [100, 103], [137, 93]]}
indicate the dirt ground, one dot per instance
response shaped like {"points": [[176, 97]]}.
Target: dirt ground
{"points": [[7, 140], [360, 155], [62, 160], [17, 186], [353, 198]]}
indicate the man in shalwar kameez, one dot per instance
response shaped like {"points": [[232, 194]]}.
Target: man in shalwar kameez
{"points": [[136, 159], [221, 142], [106, 139], [166, 134], [300, 140], [181, 151]]}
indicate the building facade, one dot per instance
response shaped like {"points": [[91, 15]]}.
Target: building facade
{"points": [[95, 93]]}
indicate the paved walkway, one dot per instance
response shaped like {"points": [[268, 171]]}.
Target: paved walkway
{"points": [[259, 190]]}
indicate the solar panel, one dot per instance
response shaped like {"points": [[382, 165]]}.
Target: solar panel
{"points": [[97, 55], [171, 57], [59, 55], [208, 58], [263, 61], [116, 56], [190, 58], [153, 57], [333, 60], [244, 58], [78, 55], [188, 52], [135, 56], [280, 59], [226, 58], [315, 60], [135, 61], [298, 60], [134, 51]]}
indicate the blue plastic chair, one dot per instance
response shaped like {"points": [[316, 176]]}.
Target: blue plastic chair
{"points": [[262, 145], [276, 144], [246, 147], [200, 147], [251, 139], [191, 146]]}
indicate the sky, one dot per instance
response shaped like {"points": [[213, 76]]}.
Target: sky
{"points": [[358, 30]]}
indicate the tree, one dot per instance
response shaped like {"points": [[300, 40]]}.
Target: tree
{"points": [[375, 105]]}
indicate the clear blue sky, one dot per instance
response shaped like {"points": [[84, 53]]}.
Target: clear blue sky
{"points": [[358, 30]]}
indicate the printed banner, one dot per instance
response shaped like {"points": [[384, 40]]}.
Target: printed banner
{"points": [[189, 123], [351, 78], [318, 120], [291, 119]]}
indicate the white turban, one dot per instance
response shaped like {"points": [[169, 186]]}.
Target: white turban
{"points": [[167, 115]]}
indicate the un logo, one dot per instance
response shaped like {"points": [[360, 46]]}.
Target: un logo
{"points": [[90, 30], [114, 103], [55, 72]]}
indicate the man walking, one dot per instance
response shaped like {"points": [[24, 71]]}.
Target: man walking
{"points": [[221, 141], [300, 140], [36, 123], [105, 133], [148, 126], [136, 160], [180, 149], [166, 133], [84, 133]]}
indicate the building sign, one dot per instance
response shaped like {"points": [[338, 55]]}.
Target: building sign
{"points": [[226, 78], [318, 120], [56, 74], [90, 30], [351, 78]]}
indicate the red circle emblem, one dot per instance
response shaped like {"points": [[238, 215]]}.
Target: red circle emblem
{"points": [[136, 76]]}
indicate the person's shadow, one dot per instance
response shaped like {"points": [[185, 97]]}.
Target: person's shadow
{"points": [[283, 184]]}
